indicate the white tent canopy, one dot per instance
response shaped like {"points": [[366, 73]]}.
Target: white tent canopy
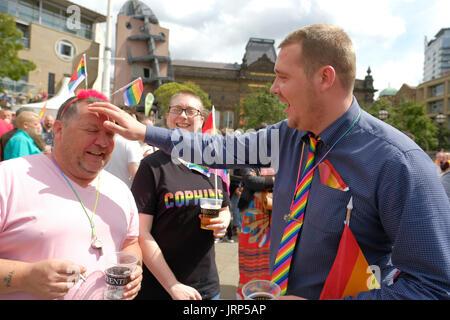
{"points": [[53, 103]]}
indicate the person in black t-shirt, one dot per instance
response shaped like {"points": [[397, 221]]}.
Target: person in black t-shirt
{"points": [[179, 256]]}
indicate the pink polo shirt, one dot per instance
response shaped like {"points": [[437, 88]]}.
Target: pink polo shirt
{"points": [[41, 218]]}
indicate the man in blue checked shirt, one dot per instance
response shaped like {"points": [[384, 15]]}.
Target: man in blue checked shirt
{"points": [[401, 214]]}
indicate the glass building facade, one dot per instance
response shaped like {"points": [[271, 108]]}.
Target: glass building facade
{"points": [[48, 14], [437, 56]]}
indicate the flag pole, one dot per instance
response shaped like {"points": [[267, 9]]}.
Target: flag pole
{"points": [[349, 211], [85, 70], [214, 132], [125, 86]]}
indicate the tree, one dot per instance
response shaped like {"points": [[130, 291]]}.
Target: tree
{"points": [[167, 90], [11, 65], [410, 117], [262, 106]]}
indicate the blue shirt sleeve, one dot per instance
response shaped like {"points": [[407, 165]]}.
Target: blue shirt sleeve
{"points": [[416, 217]]}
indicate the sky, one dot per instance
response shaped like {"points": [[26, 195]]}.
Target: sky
{"points": [[388, 35]]}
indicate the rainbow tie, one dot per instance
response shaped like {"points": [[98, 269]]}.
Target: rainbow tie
{"points": [[282, 264]]}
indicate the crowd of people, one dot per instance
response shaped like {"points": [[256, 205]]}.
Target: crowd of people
{"points": [[97, 188], [17, 99]]}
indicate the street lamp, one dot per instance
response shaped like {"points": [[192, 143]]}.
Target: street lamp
{"points": [[440, 119], [383, 114]]}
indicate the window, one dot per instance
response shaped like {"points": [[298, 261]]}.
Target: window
{"points": [[146, 73], [25, 29], [437, 90], [65, 50], [3, 6], [436, 107], [217, 119], [51, 16], [228, 119], [28, 10]]}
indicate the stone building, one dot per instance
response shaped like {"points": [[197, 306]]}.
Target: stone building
{"points": [[364, 90], [55, 43], [145, 45], [227, 83]]}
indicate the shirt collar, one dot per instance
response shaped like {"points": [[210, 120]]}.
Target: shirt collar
{"points": [[339, 126]]}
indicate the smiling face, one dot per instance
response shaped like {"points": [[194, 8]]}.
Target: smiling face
{"points": [[82, 145], [294, 87], [183, 121]]}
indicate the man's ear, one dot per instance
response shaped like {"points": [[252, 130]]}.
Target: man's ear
{"points": [[57, 127], [326, 78]]}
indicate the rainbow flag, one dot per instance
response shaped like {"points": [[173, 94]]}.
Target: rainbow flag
{"points": [[210, 126], [133, 92], [330, 177], [202, 169], [350, 272], [79, 75], [41, 114]]}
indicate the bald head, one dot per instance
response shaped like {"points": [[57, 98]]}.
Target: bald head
{"points": [[48, 122]]}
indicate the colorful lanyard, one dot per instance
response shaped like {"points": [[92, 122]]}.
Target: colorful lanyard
{"points": [[96, 243]]}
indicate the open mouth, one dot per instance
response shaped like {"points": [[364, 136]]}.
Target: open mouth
{"points": [[96, 154], [183, 125]]}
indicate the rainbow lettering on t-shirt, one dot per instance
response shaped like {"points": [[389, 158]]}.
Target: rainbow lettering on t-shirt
{"points": [[188, 197]]}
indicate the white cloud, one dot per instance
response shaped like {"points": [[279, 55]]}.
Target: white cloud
{"points": [[387, 34], [395, 73]]}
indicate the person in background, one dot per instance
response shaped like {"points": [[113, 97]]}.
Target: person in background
{"points": [[147, 149], [444, 166], [6, 115], [47, 130], [5, 122], [61, 214], [441, 156], [21, 144], [179, 256], [125, 159], [256, 214]]}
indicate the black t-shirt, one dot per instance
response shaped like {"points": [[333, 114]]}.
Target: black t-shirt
{"points": [[171, 192]]}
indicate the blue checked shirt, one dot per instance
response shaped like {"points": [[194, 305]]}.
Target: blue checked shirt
{"points": [[400, 217]]}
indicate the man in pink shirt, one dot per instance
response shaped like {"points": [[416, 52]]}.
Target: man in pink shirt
{"points": [[61, 214], [5, 121]]}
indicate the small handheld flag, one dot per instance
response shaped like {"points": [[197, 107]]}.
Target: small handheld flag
{"points": [[41, 114], [133, 92], [350, 272], [79, 74], [210, 126]]}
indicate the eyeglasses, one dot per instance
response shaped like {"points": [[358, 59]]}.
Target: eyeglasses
{"points": [[190, 112]]}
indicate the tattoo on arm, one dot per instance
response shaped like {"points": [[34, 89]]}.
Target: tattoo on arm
{"points": [[7, 279]]}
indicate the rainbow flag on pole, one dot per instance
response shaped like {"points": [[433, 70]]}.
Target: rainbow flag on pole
{"points": [[79, 75], [41, 114], [210, 125], [350, 272], [133, 92]]}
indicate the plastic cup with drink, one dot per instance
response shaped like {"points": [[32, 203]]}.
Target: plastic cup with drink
{"points": [[210, 208], [261, 290], [119, 266]]}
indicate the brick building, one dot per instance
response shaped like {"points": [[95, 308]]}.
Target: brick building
{"points": [[226, 83]]}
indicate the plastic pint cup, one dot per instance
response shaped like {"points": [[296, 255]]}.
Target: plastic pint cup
{"points": [[261, 290], [210, 208], [119, 266]]}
